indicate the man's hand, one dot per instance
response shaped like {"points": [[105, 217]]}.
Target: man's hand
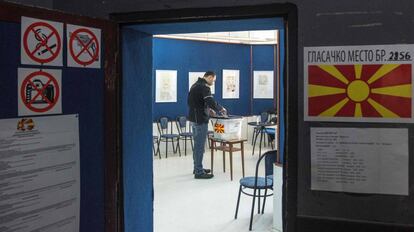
{"points": [[223, 111]]}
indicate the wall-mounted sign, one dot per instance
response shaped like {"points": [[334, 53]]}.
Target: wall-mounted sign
{"points": [[231, 84], [40, 173], [360, 160], [83, 46], [39, 91], [41, 42], [359, 83]]}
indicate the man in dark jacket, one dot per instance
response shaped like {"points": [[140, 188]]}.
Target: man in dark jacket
{"points": [[200, 103]]}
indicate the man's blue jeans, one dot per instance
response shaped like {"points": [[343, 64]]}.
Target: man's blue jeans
{"points": [[200, 136]]}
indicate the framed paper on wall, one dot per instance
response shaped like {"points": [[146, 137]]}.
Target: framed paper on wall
{"points": [[231, 82], [165, 85], [193, 77], [263, 84]]}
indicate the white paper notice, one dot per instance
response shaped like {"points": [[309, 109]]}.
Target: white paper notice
{"points": [[360, 160], [39, 174]]}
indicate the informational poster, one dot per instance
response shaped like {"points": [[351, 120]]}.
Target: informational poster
{"points": [[193, 77], [165, 86], [231, 84], [39, 174], [263, 84], [360, 160], [83, 46], [359, 83], [39, 91], [41, 42]]}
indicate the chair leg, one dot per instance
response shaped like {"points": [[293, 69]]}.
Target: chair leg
{"points": [[185, 146], [174, 148], [251, 214], [166, 149], [254, 144], [178, 146], [258, 202], [238, 201], [264, 201], [158, 148], [153, 149]]}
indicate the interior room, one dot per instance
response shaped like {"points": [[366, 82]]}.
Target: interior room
{"points": [[178, 54]]}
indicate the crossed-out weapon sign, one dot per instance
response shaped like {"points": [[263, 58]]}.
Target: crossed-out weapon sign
{"points": [[89, 46]]}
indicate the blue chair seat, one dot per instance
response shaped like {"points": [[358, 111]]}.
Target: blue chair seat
{"points": [[169, 136], [186, 134], [270, 131], [248, 182]]}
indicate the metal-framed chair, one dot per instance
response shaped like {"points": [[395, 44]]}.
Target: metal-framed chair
{"points": [[258, 183], [166, 134], [184, 132], [264, 117]]}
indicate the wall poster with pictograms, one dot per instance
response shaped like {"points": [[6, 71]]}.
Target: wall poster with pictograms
{"points": [[39, 91], [83, 48], [41, 42], [371, 83]]}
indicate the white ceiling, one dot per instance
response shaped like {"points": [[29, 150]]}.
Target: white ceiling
{"points": [[240, 37]]}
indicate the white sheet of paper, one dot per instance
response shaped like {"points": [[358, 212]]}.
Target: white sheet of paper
{"points": [[193, 77], [263, 84], [231, 84], [39, 173], [360, 160], [165, 85]]}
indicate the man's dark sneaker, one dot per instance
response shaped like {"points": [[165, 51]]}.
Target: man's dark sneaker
{"points": [[205, 170], [203, 176]]}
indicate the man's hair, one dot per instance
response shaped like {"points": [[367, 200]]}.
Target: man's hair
{"points": [[209, 73]]}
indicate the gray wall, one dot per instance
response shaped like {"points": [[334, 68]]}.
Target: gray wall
{"points": [[321, 23]]}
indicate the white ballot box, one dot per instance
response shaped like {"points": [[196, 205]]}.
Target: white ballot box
{"points": [[227, 128]]}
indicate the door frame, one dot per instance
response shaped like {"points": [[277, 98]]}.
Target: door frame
{"points": [[288, 12]]}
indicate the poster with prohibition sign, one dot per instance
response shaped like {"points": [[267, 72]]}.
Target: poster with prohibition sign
{"points": [[39, 91], [41, 42], [84, 44], [370, 83]]}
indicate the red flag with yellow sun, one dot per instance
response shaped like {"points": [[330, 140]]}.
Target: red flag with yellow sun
{"points": [[370, 91]]}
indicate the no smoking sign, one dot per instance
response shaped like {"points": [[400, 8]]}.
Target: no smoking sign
{"points": [[39, 91], [41, 42]]}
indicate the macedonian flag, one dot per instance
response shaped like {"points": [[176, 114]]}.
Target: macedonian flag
{"points": [[372, 91], [219, 128]]}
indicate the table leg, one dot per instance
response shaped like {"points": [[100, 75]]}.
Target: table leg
{"points": [[260, 143], [242, 156], [231, 161], [224, 161], [212, 155]]}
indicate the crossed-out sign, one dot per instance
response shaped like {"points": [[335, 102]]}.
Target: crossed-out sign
{"points": [[41, 42], [83, 46], [39, 91]]}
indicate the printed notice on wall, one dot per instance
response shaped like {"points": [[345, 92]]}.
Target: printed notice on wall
{"points": [[39, 174], [359, 83], [360, 160]]}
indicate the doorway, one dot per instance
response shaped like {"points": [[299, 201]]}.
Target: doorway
{"points": [[137, 101]]}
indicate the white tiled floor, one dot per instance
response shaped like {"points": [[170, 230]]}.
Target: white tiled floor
{"points": [[185, 204]]}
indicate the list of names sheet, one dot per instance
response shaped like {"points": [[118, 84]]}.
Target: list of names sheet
{"points": [[362, 160], [39, 174]]}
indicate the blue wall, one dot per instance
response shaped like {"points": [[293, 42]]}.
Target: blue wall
{"points": [[82, 93], [263, 59], [195, 56], [137, 130]]}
